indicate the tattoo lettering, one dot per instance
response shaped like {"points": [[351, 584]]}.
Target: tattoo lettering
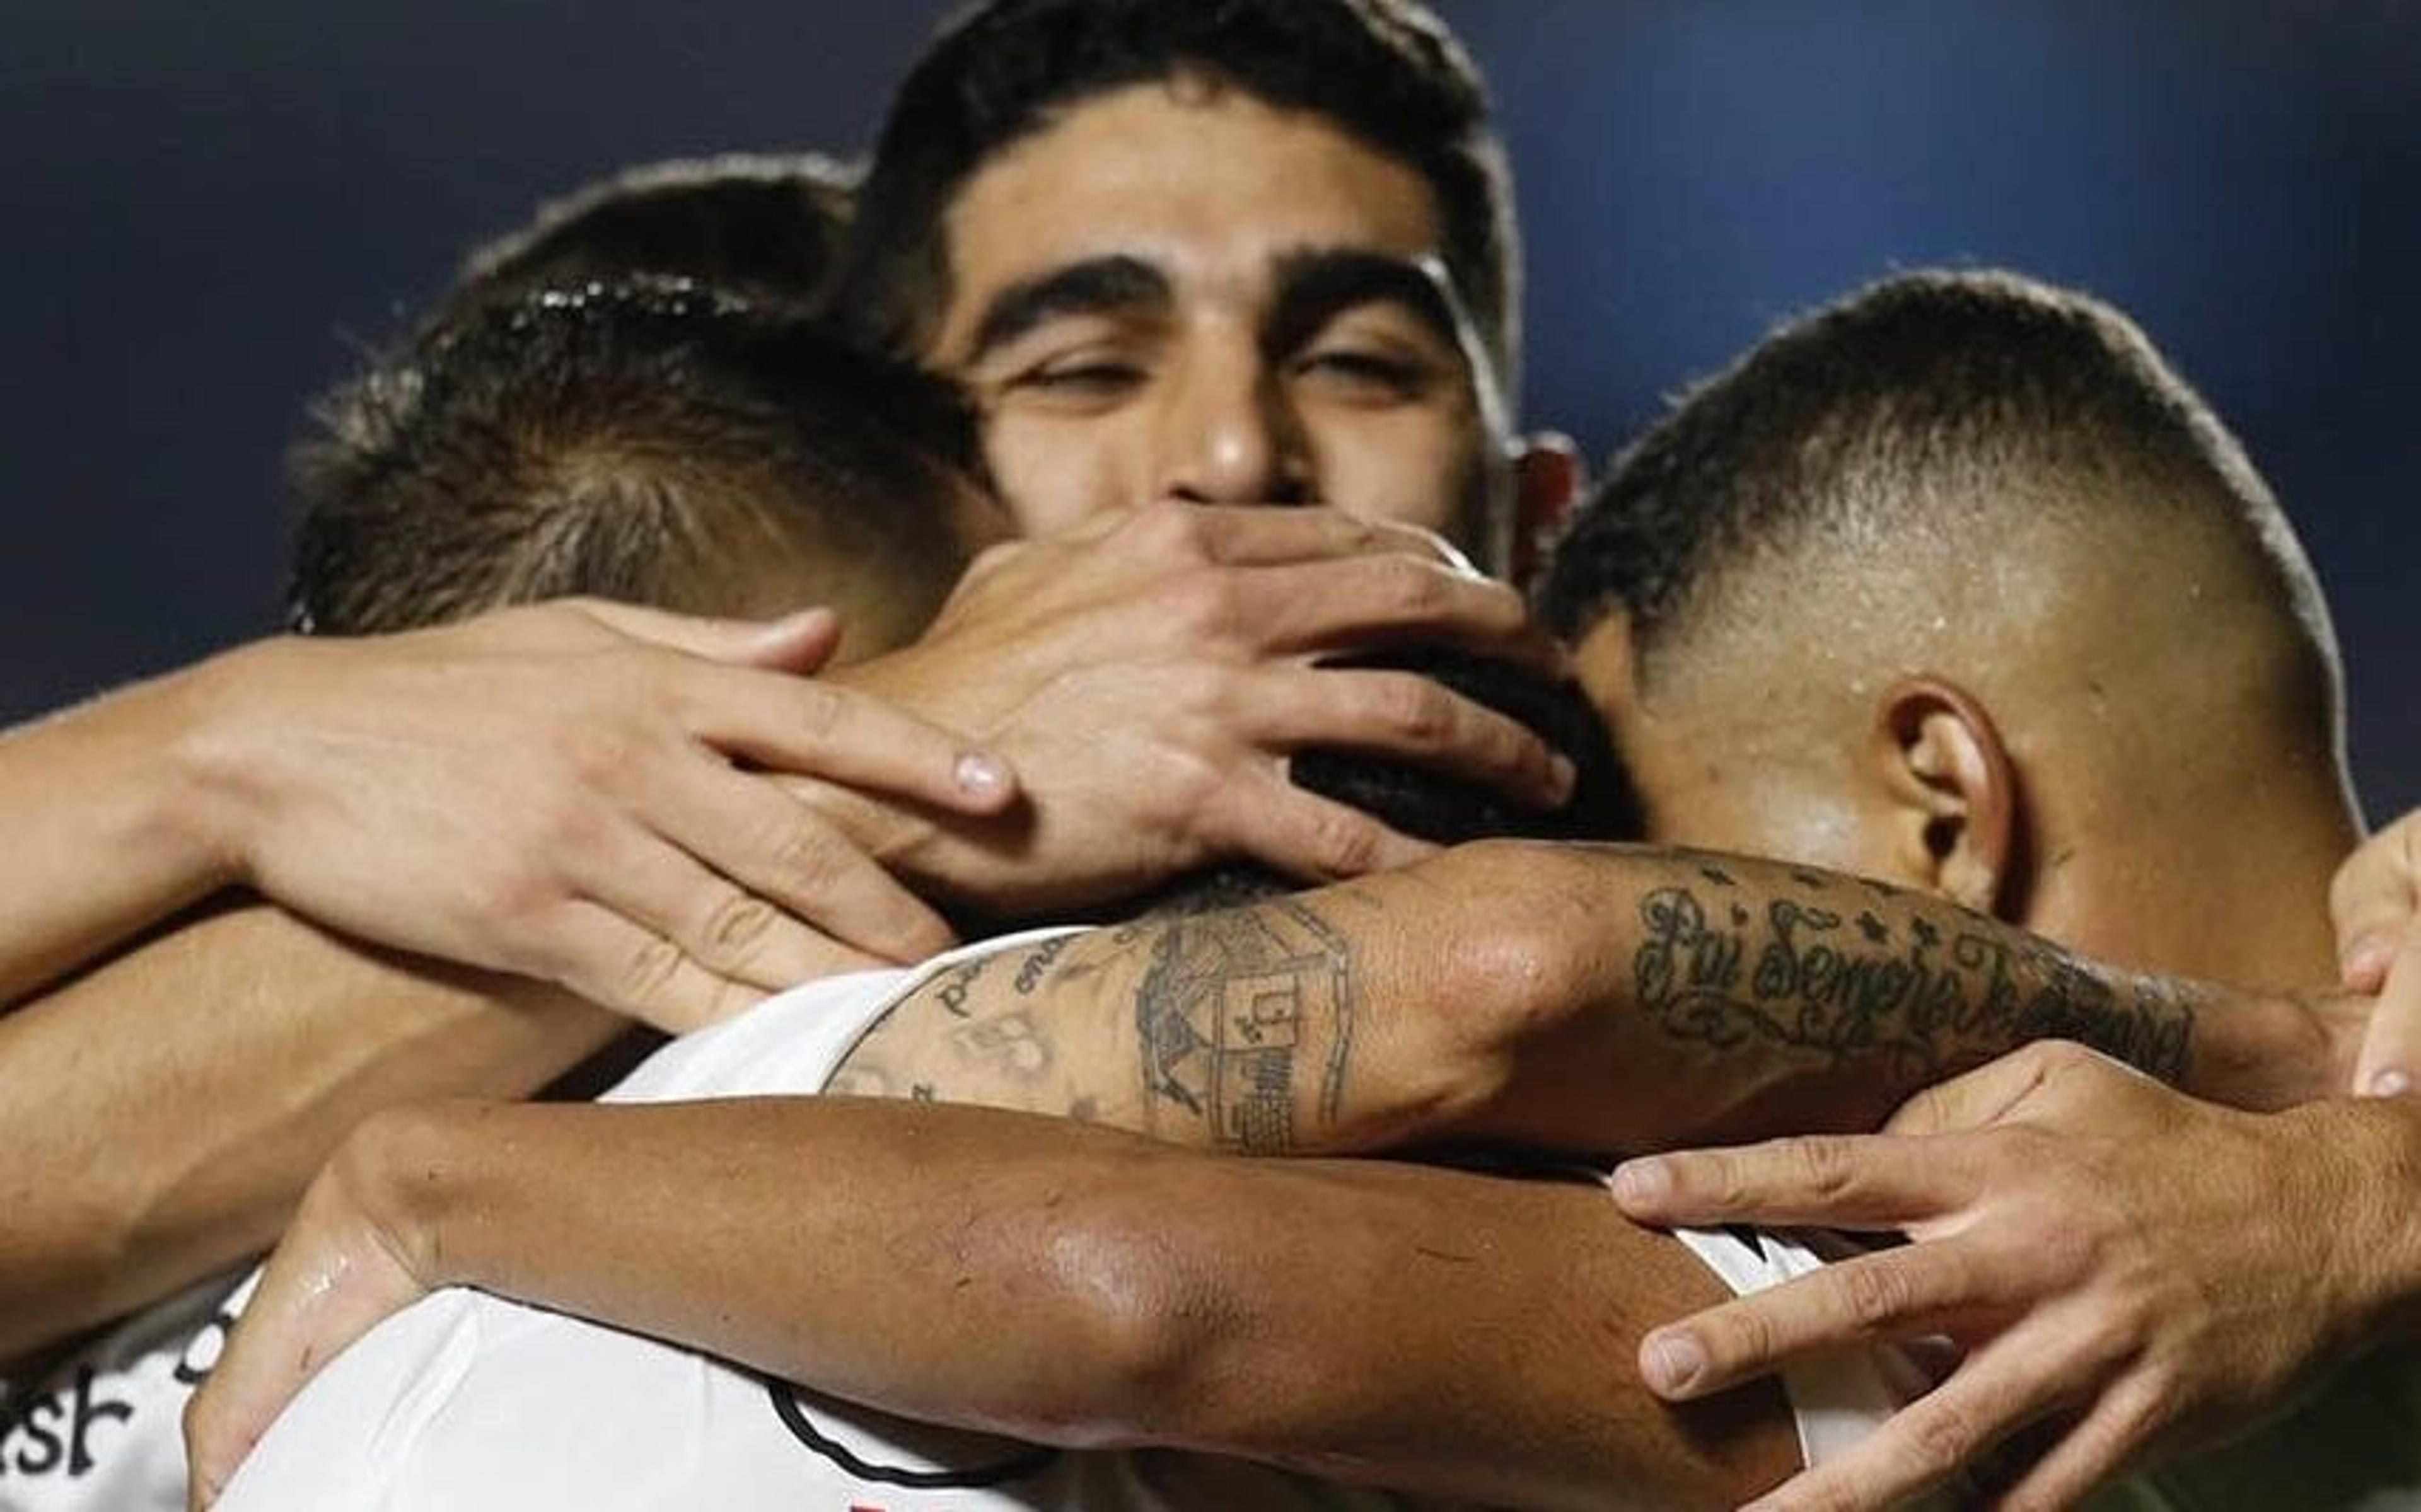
{"points": [[953, 995], [1806, 983], [1038, 961], [1229, 1002]]}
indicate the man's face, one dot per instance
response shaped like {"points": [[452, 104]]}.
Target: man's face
{"points": [[1178, 291]]}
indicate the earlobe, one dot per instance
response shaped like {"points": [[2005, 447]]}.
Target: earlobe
{"points": [[1548, 479], [1950, 777]]}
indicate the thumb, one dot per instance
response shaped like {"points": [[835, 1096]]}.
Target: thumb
{"points": [[799, 642], [2371, 901], [2391, 1046]]}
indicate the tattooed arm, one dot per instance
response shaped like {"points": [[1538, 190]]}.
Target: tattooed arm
{"points": [[1597, 998], [1399, 1325]]}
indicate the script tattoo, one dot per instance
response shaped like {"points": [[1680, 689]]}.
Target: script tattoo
{"points": [[1228, 1003], [1860, 989], [1038, 961], [962, 979]]}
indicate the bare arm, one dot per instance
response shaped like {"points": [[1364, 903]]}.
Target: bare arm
{"points": [[163, 1111], [1605, 999], [107, 832], [1411, 1327], [548, 791]]}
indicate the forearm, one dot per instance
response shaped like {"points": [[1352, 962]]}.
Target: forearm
{"points": [[109, 826], [1605, 999], [164, 1111], [1082, 1287]]}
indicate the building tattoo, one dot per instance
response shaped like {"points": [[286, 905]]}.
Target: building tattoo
{"points": [[1229, 1005]]}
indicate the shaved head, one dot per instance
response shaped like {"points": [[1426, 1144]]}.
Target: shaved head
{"points": [[1968, 482]]}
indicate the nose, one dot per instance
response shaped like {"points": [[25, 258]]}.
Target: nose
{"points": [[1229, 434]]}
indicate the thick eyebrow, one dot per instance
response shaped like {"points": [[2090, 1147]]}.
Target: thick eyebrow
{"points": [[1094, 287], [1316, 286]]}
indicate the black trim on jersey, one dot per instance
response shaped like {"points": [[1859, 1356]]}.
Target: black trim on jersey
{"points": [[975, 1478]]}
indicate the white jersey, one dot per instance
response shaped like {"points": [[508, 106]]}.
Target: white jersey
{"points": [[96, 1430], [464, 1402]]}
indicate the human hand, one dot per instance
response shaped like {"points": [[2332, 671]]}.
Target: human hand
{"points": [[2081, 1232], [1149, 677], [553, 791], [2373, 899], [347, 1263]]}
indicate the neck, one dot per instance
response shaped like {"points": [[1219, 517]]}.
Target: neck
{"points": [[2234, 892]]}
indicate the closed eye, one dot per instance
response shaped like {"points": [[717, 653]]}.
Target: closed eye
{"points": [[1360, 372], [1082, 380]]}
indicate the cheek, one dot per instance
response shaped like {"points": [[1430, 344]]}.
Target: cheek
{"points": [[1052, 473], [1422, 468]]}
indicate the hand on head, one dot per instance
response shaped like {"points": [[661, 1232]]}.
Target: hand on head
{"points": [[1149, 673], [559, 792]]}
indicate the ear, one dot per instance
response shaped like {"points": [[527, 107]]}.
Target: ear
{"points": [[1944, 767], [1548, 478]]}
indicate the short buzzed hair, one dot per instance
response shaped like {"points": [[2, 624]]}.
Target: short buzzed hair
{"points": [[1387, 73], [647, 439], [768, 226], [1956, 407]]}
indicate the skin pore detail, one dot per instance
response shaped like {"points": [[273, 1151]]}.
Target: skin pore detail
{"points": [[1596, 998]]}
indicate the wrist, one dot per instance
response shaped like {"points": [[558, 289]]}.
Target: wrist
{"points": [[2367, 1152], [220, 752], [2267, 1050], [400, 1172]]}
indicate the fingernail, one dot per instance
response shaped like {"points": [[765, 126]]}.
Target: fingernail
{"points": [[2365, 961], [979, 776], [1561, 775], [1672, 1361], [1641, 1183], [2390, 1083]]}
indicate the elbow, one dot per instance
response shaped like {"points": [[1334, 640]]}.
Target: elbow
{"points": [[1146, 1321], [1148, 1324], [1519, 971]]}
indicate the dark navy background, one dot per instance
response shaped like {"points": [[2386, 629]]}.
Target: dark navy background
{"points": [[205, 208]]}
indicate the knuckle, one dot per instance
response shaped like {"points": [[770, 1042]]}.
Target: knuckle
{"points": [[1824, 1166], [809, 860], [1940, 1438], [647, 970], [1344, 844], [2063, 1056], [597, 753], [820, 714], [1743, 1340], [736, 926], [1414, 589], [1415, 709], [1875, 1295], [1171, 528]]}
